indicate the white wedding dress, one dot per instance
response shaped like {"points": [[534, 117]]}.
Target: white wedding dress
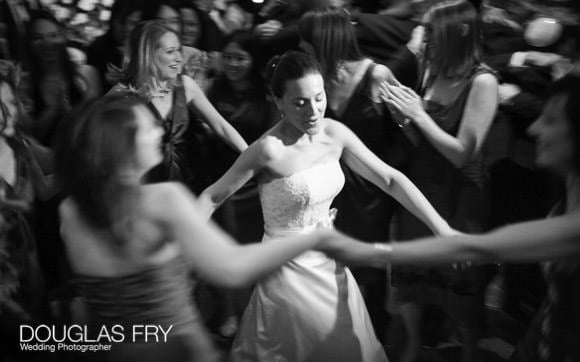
{"points": [[311, 308]]}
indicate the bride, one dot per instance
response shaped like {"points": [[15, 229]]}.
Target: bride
{"points": [[311, 309]]}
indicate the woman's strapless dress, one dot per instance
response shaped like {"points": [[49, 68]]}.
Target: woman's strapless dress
{"points": [[160, 295], [311, 309]]}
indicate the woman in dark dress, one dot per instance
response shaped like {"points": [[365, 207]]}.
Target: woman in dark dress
{"points": [[153, 70], [451, 116], [555, 332]]}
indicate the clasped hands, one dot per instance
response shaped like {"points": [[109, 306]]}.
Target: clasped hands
{"points": [[350, 251], [403, 100]]}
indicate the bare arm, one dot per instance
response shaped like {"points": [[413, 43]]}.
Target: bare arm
{"points": [[359, 158], [90, 84], [197, 99], [475, 123], [214, 255], [45, 185], [531, 241], [248, 164]]}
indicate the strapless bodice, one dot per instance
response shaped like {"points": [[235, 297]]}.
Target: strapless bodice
{"points": [[301, 200], [160, 294]]}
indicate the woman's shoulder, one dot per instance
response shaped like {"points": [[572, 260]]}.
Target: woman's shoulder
{"points": [[268, 147], [88, 79], [333, 127], [163, 195], [380, 72], [485, 72], [484, 78]]}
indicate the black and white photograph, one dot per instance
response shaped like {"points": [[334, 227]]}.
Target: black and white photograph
{"points": [[289, 180]]}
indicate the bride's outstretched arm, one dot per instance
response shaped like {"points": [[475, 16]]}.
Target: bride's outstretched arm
{"points": [[359, 158], [248, 165]]}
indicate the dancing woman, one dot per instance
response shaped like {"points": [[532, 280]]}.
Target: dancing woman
{"points": [[553, 334], [153, 70], [451, 116], [132, 246], [312, 309]]}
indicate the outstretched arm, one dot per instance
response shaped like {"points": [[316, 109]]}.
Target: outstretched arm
{"points": [[214, 255], [531, 241], [197, 99], [359, 158], [248, 165]]}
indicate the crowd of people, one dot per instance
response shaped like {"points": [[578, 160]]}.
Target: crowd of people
{"points": [[305, 180]]}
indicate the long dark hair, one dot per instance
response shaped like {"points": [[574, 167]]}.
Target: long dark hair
{"points": [[453, 34], [330, 32], [95, 146], [120, 10], [36, 69]]}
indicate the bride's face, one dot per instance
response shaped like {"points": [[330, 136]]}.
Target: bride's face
{"points": [[304, 103]]}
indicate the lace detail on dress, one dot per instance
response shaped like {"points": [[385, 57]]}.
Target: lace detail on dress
{"points": [[303, 199]]}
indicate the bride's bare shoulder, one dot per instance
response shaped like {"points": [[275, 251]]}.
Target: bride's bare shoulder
{"points": [[334, 128], [269, 147]]}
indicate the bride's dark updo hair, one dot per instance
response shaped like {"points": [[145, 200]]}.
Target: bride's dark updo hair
{"points": [[290, 66]]}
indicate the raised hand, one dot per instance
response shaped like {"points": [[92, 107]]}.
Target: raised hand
{"points": [[268, 29]]}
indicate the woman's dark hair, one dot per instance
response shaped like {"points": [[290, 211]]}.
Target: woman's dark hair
{"points": [[201, 42], [330, 32], [247, 42], [120, 10], [96, 144], [151, 8], [452, 30], [36, 69], [569, 87], [290, 66]]}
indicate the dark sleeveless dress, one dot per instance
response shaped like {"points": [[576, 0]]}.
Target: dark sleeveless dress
{"points": [[174, 166], [554, 334], [186, 153], [159, 295], [459, 194], [364, 210]]}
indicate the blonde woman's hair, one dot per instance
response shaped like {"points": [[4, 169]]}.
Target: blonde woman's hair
{"points": [[140, 70]]}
